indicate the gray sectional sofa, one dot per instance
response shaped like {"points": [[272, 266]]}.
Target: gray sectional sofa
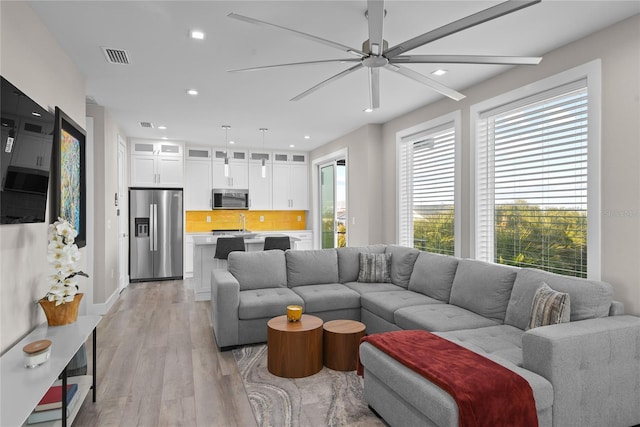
{"points": [[582, 373]]}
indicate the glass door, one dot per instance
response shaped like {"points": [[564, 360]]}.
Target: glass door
{"points": [[333, 204]]}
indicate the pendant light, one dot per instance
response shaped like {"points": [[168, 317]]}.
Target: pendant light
{"points": [[264, 163], [226, 153]]}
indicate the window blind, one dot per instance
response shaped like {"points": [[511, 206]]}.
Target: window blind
{"points": [[532, 164], [427, 188]]}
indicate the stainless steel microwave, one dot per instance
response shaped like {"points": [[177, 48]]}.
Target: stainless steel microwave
{"points": [[230, 198]]}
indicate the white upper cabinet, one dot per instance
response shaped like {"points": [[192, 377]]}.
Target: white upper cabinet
{"points": [[290, 181], [238, 176], [34, 150], [156, 164], [260, 187], [198, 176]]}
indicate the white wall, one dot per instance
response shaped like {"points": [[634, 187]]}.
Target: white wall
{"points": [[618, 47], [31, 59]]}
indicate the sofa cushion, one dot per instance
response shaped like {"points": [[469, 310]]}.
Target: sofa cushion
{"points": [[502, 341], [439, 318], [364, 287], [549, 307], [375, 268], [483, 288], [266, 303], [433, 275], [384, 304], [258, 270], [349, 261], [402, 260], [589, 298], [313, 267], [327, 297]]}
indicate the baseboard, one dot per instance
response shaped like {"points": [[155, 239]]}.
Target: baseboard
{"points": [[102, 309]]}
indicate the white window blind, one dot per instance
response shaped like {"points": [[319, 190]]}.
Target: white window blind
{"points": [[532, 164], [427, 188]]}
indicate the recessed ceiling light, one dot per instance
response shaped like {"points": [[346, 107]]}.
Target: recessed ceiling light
{"points": [[197, 35], [232, 142], [368, 110], [164, 137], [291, 145], [307, 137], [192, 92], [162, 127], [439, 72]]}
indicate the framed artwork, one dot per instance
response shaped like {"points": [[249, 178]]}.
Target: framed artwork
{"points": [[68, 173]]}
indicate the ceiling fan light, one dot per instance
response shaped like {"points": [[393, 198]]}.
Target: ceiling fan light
{"points": [[439, 72]]}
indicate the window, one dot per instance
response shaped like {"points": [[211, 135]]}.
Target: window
{"points": [[533, 196], [427, 186]]}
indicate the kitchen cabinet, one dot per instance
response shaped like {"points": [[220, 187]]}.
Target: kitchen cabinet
{"points": [[290, 182], [198, 177], [260, 189], [238, 169], [34, 149], [156, 164]]}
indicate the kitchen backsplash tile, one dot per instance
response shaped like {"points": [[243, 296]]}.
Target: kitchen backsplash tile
{"points": [[196, 221]]}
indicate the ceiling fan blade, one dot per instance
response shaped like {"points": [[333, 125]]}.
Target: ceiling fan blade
{"points": [[320, 40], [375, 15], [459, 25], [466, 59], [374, 88], [438, 87], [266, 67], [326, 82]]}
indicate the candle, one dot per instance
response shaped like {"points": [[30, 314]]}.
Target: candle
{"points": [[294, 313], [36, 353]]}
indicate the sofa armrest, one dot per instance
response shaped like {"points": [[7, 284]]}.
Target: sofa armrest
{"points": [[594, 367], [225, 300]]}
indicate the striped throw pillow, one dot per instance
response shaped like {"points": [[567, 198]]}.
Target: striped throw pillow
{"points": [[375, 268], [549, 307]]}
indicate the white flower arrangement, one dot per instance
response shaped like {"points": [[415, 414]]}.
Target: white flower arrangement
{"points": [[62, 254]]}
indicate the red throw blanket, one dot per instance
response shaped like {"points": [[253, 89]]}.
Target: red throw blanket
{"points": [[487, 393]]}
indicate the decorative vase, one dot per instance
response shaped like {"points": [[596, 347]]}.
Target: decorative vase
{"points": [[63, 314]]}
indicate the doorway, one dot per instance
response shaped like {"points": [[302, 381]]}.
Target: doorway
{"points": [[122, 212], [333, 203]]}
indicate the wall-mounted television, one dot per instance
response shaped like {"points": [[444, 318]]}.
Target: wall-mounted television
{"points": [[26, 145]]}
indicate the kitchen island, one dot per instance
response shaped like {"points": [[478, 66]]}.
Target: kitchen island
{"points": [[204, 263]]}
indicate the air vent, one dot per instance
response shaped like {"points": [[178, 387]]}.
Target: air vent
{"points": [[147, 125], [116, 56]]}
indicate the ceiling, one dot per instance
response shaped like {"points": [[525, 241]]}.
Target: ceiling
{"points": [[165, 61]]}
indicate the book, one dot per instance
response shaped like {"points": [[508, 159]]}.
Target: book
{"points": [[53, 414], [53, 397]]}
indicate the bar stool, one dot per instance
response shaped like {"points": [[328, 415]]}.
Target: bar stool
{"points": [[280, 242], [225, 245]]}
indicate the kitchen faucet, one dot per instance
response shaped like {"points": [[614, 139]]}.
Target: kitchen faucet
{"points": [[243, 224]]}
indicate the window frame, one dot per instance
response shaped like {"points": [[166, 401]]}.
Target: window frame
{"points": [[591, 72], [412, 135]]}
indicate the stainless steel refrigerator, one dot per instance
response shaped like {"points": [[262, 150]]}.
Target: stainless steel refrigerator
{"points": [[155, 238]]}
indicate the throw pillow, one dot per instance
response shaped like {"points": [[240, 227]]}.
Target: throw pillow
{"points": [[375, 268], [549, 307]]}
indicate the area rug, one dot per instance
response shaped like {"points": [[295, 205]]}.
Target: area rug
{"points": [[328, 398]]}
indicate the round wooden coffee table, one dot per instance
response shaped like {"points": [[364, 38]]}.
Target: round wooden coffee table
{"points": [[294, 349], [341, 341]]}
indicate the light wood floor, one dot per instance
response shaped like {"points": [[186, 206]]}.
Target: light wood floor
{"points": [[157, 364]]}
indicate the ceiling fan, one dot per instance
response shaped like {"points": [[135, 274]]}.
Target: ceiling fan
{"points": [[376, 54]]}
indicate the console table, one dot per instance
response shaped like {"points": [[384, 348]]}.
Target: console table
{"points": [[22, 388]]}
